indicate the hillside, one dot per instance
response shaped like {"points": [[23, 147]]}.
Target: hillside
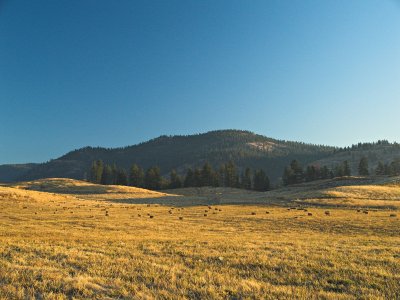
{"points": [[245, 148], [380, 151], [182, 152], [85, 190], [10, 173]]}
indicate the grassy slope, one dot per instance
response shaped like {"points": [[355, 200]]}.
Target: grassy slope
{"points": [[88, 191], [57, 246]]}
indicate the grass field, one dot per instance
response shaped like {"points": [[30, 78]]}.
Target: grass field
{"points": [[60, 246]]}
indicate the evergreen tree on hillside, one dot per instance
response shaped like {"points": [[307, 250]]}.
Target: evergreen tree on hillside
{"points": [[325, 174], [363, 167], [122, 177], [245, 181], [311, 173], [380, 169], [114, 171], [221, 175], [175, 180], [339, 171], [106, 177], [96, 171], [388, 169], [136, 176], [297, 171], [261, 181], [346, 168], [293, 174], [288, 176], [189, 178], [231, 178], [395, 167], [197, 177], [152, 180], [207, 175]]}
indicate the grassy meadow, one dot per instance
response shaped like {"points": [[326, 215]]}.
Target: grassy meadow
{"points": [[55, 245]]}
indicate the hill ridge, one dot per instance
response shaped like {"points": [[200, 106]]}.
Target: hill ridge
{"points": [[245, 148]]}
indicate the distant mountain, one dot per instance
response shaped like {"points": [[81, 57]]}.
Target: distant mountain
{"points": [[245, 148]]}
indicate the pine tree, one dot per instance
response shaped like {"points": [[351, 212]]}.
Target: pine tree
{"points": [[339, 171], [288, 176], [261, 181], [395, 167], [189, 179], [197, 178], [153, 179], [325, 174], [106, 177], [363, 167], [346, 168], [311, 173], [207, 175], [93, 172], [298, 171], [380, 169], [231, 176], [175, 180], [114, 171], [136, 176], [96, 171], [122, 177], [245, 181]]}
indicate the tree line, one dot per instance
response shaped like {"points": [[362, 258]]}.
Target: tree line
{"points": [[391, 169], [227, 175], [295, 173]]}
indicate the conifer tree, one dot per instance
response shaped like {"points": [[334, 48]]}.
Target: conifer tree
{"points": [[207, 175], [380, 169], [106, 177], [175, 180], [231, 177], [363, 167], [96, 171], [122, 177], [197, 178], [136, 176], [245, 181], [189, 179], [346, 168], [153, 179], [261, 181]]}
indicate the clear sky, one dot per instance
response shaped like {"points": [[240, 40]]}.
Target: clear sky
{"points": [[75, 73]]}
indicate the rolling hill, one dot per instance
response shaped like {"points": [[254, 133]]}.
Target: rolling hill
{"points": [[245, 148]]}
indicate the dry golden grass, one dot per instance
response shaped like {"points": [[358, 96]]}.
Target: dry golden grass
{"points": [[60, 247], [87, 190]]}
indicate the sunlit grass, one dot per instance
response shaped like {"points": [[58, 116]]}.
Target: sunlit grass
{"points": [[58, 247]]}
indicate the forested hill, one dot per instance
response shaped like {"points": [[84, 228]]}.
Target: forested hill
{"points": [[244, 148]]}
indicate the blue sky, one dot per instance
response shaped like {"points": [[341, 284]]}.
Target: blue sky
{"points": [[113, 73]]}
